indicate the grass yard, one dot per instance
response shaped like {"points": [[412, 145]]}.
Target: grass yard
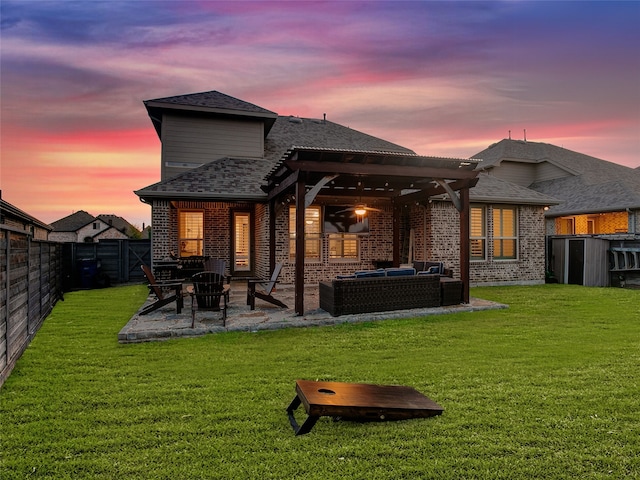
{"points": [[548, 388]]}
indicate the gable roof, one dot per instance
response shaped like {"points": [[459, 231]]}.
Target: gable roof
{"points": [[73, 222], [11, 211], [587, 185], [493, 189], [118, 223], [239, 178], [207, 103]]}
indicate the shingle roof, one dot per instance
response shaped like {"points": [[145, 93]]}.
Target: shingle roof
{"points": [[73, 222], [241, 178], [492, 189], [7, 209], [213, 103], [212, 99], [117, 222], [592, 185]]}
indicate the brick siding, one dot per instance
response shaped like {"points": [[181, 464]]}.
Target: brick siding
{"points": [[436, 237]]}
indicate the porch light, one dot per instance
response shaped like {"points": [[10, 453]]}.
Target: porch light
{"points": [[360, 211]]}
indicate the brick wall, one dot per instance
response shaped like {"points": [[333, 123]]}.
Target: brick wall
{"points": [[529, 268], [444, 223], [436, 237], [377, 245], [603, 223]]}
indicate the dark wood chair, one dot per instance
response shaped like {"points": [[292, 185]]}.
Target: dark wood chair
{"points": [[215, 265], [262, 289], [208, 288], [159, 288]]}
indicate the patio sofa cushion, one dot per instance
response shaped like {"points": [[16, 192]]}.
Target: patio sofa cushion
{"points": [[429, 267], [399, 272], [370, 273]]}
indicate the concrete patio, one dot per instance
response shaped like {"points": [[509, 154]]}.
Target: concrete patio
{"points": [[165, 323]]}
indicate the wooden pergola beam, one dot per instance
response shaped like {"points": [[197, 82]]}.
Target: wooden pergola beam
{"points": [[379, 170]]}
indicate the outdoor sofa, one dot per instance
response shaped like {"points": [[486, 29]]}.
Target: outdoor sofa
{"points": [[389, 289]]}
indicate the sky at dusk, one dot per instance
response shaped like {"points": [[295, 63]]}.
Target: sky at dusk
{"points": [[442, 78]]}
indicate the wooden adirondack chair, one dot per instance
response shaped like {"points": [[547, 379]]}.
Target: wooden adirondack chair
{"points": [[159, 288], [262, 289], [215, 265], [208, 289]]}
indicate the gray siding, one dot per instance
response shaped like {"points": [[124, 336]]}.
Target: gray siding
{"points": [[548, 171], [191, 142], [519, 173], [525, 174]]}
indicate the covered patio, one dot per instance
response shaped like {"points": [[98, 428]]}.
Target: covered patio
{"points": [[165, 323], [365, 178]]}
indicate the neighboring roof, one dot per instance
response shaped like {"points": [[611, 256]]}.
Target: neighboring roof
{"points": [[491, 189], [592, 185], [241, 178], [211, 103], [103, 233], [7, 209], [582, 195], [73, 222], [118, 223]]}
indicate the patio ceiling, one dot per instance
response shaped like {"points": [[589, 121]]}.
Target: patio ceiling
{"points": [[337, 174]]}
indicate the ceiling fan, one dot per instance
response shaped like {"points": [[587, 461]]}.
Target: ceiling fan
{"points": [[360, 209]]}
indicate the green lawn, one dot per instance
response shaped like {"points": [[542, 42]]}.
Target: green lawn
{"points": [[548, 388]]}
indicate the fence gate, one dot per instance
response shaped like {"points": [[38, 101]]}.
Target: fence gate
{"points": [[108, 262]]}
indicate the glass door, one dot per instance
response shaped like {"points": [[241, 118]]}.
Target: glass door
{"points": [[241, 242]]}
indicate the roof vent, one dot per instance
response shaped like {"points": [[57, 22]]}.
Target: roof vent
{"points": [[293, 119]]}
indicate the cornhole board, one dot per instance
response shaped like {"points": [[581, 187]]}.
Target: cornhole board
{"points": [[358, 402]]}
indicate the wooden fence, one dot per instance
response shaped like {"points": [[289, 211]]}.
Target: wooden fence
{"points": [[30, 285], [108, 262]]}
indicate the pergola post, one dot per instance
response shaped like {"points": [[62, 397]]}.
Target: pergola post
{"points": [[465, 263], [272, 235], [300, 250], [396, 233]]}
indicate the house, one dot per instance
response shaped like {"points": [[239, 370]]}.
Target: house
{"points": [[594, 228], [238, 181], [14, 218], [81, 226], [596, 196]]}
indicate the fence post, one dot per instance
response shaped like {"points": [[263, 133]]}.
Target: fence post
{"points": [[5, 320]]}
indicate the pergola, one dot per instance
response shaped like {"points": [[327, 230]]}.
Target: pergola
{"points": [[352, 176]]}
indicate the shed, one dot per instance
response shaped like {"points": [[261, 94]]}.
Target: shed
{"points": [[580, 260]]}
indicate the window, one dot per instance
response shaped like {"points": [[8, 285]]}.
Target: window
{"points": [[478, 233], [241, 241], [505, 241], [343, 246], [190, 232], [312, 230]]}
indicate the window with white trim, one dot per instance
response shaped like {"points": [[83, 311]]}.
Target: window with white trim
{"points": [[343, 246], [190, 232], [505, 228], [312, 232], [478, 233]]}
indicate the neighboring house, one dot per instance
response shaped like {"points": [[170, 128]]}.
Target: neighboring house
{"points": [[597, 216], [121, 225], [595, 196], [15, 218], [84, 227], [235, 178]]}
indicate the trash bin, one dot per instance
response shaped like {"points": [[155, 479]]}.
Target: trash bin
{"points": [[88, 268]]}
